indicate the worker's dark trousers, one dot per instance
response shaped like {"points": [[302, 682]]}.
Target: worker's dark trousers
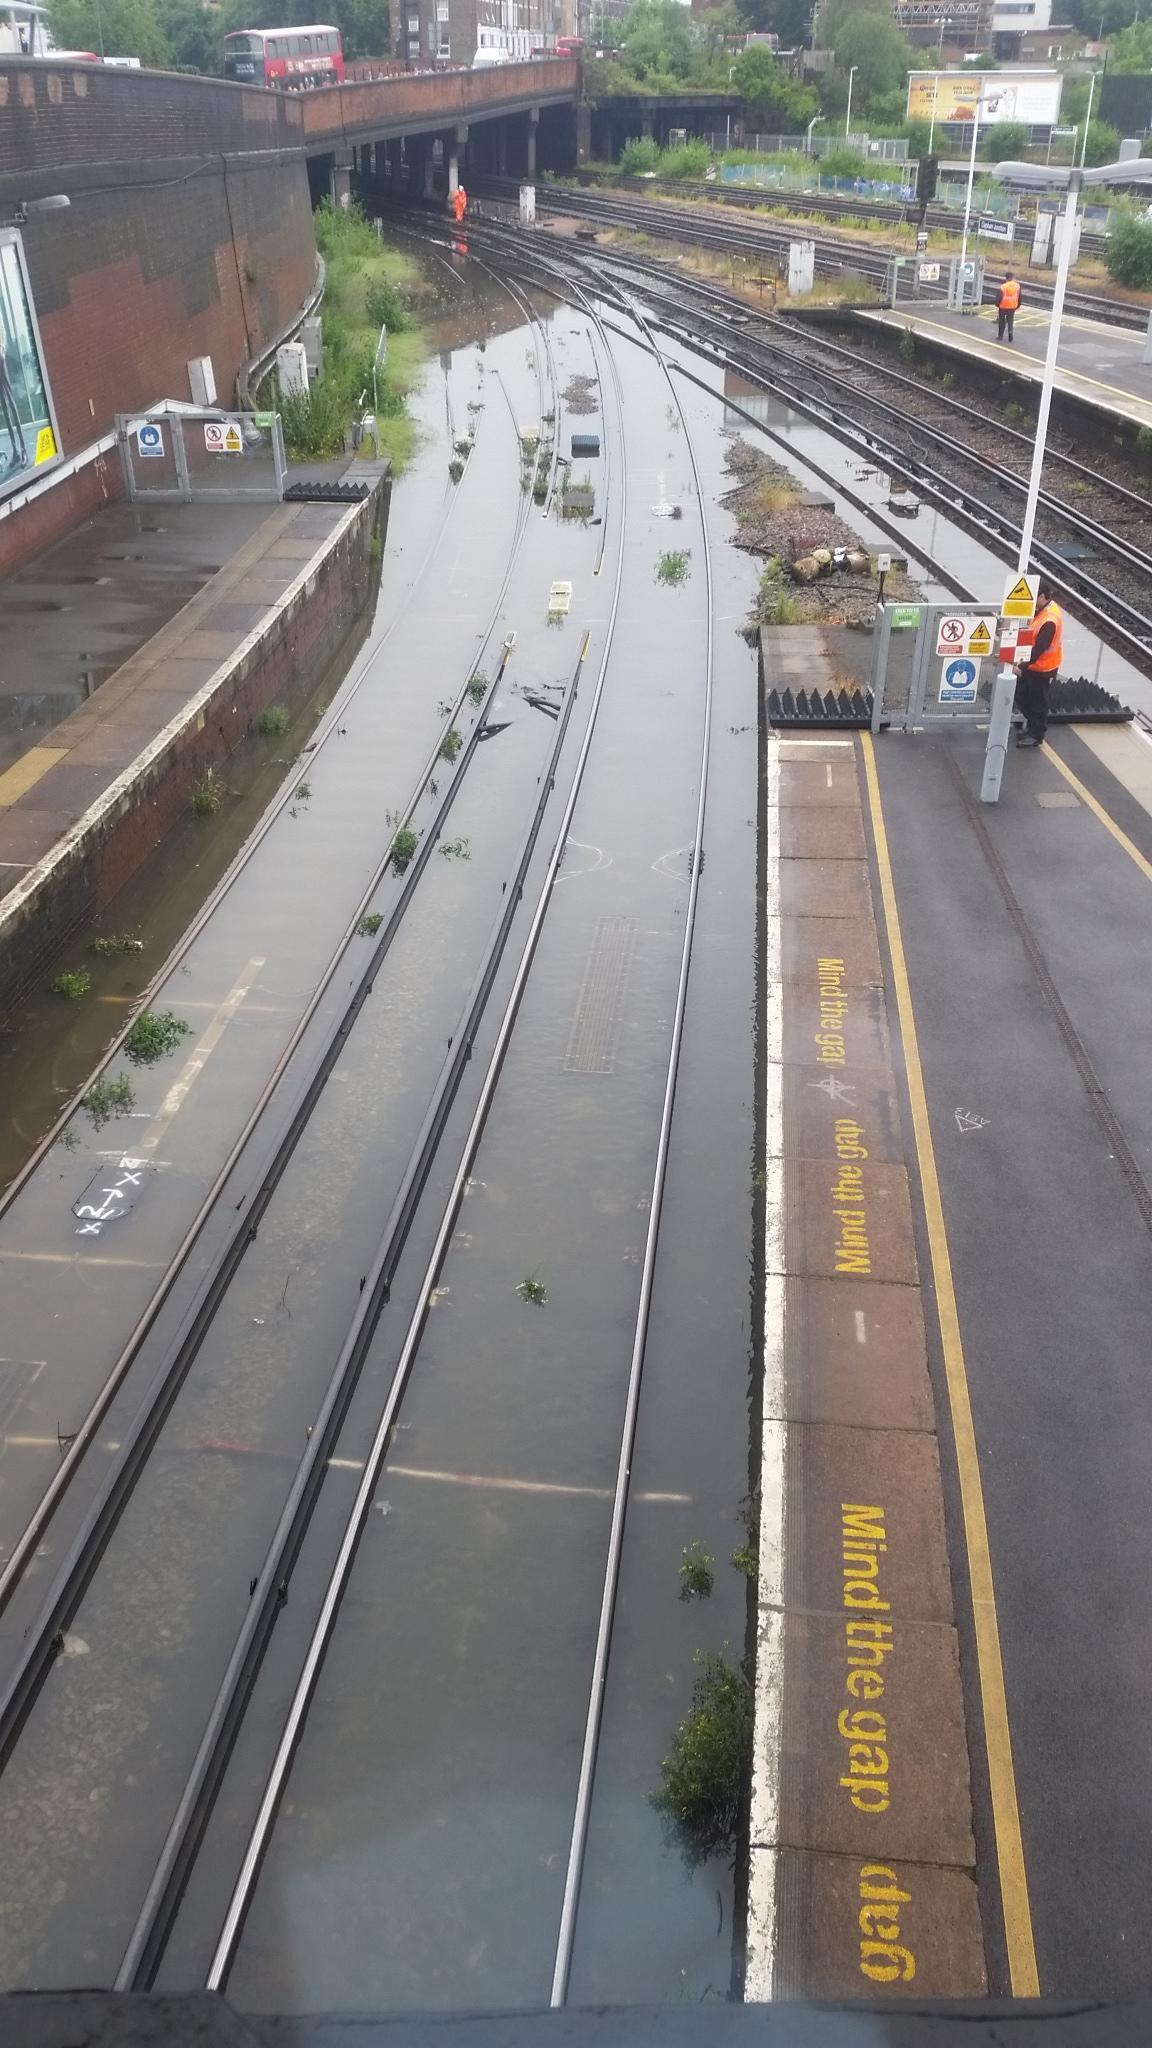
{"points": [[1032, 688], [1004, 319]]}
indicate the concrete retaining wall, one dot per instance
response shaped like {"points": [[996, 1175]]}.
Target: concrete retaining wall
{"points": [[281, 660]]}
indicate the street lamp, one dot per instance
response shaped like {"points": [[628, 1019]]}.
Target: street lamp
{"points": [[1088, 118], [811, 125], [848, 115], [1038, 177]]}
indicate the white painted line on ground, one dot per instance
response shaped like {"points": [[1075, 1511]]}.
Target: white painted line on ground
{"points": [[78, 1259], [206, 1044], [768, 1685], [861, 1331]]}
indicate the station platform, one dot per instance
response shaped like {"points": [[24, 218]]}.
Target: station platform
{"points": [[250, 597], [1101, 366], [956, 1426]]}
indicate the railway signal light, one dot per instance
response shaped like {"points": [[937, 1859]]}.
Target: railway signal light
{"points": [[927, 173]]}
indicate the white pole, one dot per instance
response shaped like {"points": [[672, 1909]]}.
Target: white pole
{"points": [[1004, 688], [1087, 121], [848, 116], [968, 197]]}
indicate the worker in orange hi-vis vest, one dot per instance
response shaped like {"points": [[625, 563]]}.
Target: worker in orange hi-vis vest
{"points": [[459, 204], [1006, 306], [1041, 644]]}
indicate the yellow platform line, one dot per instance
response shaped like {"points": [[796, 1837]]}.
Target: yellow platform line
{"points": [[1086, 797], [1016, 1907], [25, 773]]}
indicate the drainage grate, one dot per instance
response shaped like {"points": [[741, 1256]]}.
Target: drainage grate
{"points": [[596, 1025], [1072, 702], [321, 493]]}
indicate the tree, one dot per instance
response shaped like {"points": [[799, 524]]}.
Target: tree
{"points": [[984, 62], [112, 28], [192, 34], [1004, 139], [1103, 142], [874, 45], [762, 82], [1103, 17], [791, 20], [1132, 49], [1129, 252], [363, 24], [919, 135]]}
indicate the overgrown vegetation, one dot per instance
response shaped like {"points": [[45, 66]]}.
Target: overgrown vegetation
{"points": [[272, 722], [477, 687], [72, 983], [697, 1572], [532, 1289], [456, 849], [364, 282], [207, 794], [113, 944], [705, 1773], [1129, 252], [369, 924], [154, 1034], [108, 1098], [673, 566], [403, 847], [450, 745]]}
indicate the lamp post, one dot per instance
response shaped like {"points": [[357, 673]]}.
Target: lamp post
{"points": [[1138, 172], [1088, 118], [848, 115], [811, 125]]}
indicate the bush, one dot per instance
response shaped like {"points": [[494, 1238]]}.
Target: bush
{"points": [[1004, 139], [153, 1035], [73, 983], [1129, 252], [639, 156], [385, 307], [691, 160], [843, 163], [707, 1768], [1103, 142]]}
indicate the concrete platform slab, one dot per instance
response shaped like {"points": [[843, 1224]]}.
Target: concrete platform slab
{"points": [[865, 1513], [863, 1928], [807, 832], [849, 1219], [824, 888], [1102, 366], [857, 1353], [848, 943]]}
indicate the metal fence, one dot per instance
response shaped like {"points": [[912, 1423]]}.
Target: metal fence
{"points": [[193, 454]]}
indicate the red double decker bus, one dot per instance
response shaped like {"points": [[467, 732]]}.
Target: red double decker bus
{"points": [[291, 59]]}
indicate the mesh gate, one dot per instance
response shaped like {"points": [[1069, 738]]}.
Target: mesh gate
{"points": [[192, 455]]}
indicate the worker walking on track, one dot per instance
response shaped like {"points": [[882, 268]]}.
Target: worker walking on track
{"points": [[459, 204], [1042, 644], [1006, 305]]}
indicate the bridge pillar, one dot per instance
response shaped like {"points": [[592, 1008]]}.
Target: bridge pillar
{"points": [[583, 131], [342, 179], [454, 156], [502, 149], [646, 129], [533, 132]]}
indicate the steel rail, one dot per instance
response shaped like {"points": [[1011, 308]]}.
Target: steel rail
{"points": [[260, 1835], [594, 1716], [193, 1808], [984, 520], [238, 1221]]}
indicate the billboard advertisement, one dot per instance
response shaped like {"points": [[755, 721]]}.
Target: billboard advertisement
{"points": [[1030, 97], [29, 438]]}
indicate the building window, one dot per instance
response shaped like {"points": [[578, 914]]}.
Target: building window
{"points": [[413, 24]]}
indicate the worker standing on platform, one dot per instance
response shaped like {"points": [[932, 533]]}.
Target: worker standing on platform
{"points": [[1043, 644], [1006, 306], [459, 204]]}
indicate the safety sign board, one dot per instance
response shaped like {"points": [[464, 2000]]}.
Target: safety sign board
{"points": [[965, 633], [222, 437], [994, 229], [904, 615], [150, 438], [928, 273], [1020, 594], [958, 680]]}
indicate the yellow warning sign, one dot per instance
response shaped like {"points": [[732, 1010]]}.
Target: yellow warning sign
{"points": [[980, 638], [46, 449], [1020, 596], [233, 445]]}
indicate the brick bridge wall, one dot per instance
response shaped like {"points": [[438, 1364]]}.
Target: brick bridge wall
{"points": [[434, 99]]}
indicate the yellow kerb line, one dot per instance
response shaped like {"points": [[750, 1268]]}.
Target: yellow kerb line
{"points": [[1109, 824], [1017, 1911]]}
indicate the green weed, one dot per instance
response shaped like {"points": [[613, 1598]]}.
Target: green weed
{"points": [[532, 1289], [114, 944], [477, 688], [72, 983], [450, 745], [272, 722], [455, 469], [106, 1099], [154, 1034], [456, 849], [403, 847], [369, 924], [672, 567], [697, 1574], [207, 794], [706, 1770]]}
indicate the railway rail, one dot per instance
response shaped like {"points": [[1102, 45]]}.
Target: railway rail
{"points": [[1104, 573], [439, 1153], [834, 259]]}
